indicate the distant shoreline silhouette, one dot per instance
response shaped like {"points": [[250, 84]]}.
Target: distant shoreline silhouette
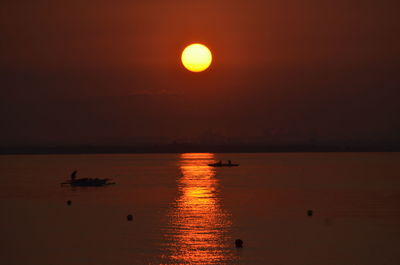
{"points": [[190, 148]]}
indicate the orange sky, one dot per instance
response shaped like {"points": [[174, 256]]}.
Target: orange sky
{"points": [[284, 70]]}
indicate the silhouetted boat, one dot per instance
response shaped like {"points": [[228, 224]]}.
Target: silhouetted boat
{"points": [[220, 164], [88, 182]]}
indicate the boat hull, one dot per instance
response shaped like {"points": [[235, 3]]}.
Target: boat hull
{"points": [[87, 182], [223, 165]]}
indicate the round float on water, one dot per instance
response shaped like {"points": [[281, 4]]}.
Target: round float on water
{"points": [[129, 217], [239, 243]]}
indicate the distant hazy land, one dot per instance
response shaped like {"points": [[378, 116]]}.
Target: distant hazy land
{"points": [[186, 148]]}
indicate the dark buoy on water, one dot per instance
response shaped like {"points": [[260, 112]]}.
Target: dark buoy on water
{"points": [[238, 243], [129, 217], [69, 202], [310, 213]]}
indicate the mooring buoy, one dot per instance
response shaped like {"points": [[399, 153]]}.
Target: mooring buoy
{"points": [[129, 217], [239, 243], [69, 202], [310, 213]]}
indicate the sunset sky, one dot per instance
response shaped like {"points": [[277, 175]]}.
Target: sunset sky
{"points": [[283, 72]]}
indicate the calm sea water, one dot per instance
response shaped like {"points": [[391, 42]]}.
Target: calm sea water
{"points": [[185, 212]]}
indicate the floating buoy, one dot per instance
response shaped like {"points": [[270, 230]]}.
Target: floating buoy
{"points": [[129, 217], [309, 212], [238, 243], [69, 202]]}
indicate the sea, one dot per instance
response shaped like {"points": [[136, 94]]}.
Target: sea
{"points": [[287, 208]]}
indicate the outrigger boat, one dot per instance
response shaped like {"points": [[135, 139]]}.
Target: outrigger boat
{"points": [[87, 182], [220, 164]]}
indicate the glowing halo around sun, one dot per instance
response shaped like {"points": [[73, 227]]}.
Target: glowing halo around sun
{"points": [[196, 57]]}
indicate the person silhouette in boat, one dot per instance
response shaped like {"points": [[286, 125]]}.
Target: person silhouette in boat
{"points": [[229, 162], [73, 175]]}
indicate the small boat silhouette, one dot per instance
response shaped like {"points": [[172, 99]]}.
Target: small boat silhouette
{"points": [[87, 182], [220, 164]]}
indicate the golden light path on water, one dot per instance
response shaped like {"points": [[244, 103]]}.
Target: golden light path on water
{"points": [[198, 229]]}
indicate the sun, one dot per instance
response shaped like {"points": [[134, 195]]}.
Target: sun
{"points": [[196, 57]]}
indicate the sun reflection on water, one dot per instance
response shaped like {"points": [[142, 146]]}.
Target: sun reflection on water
{"points": [[197, 232]]}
